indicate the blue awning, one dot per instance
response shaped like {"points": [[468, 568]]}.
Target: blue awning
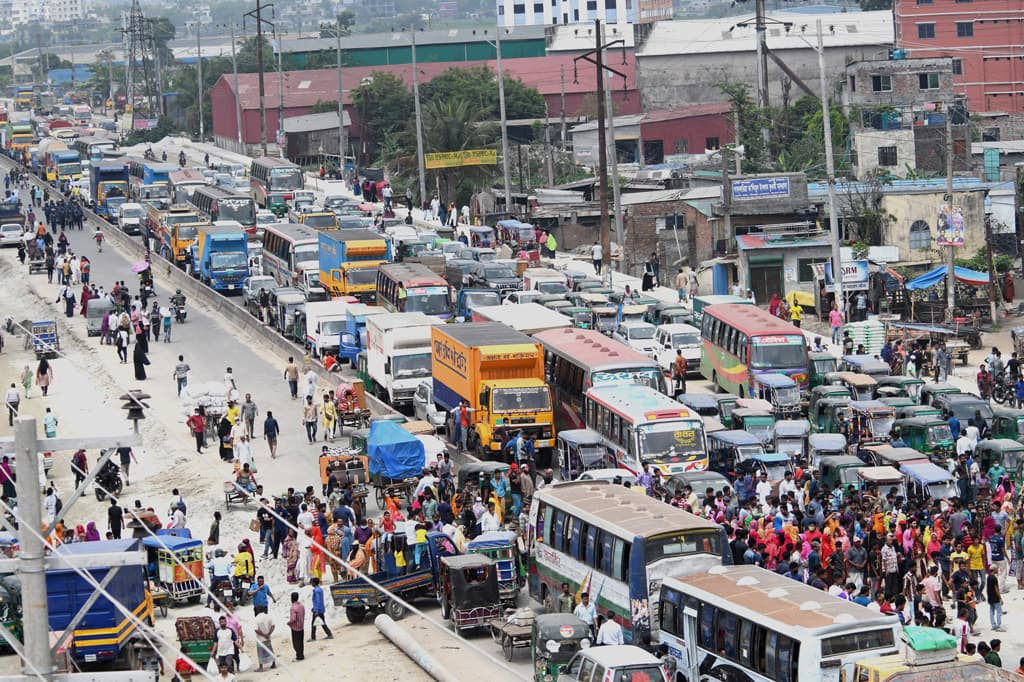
{"points": [[930, 279]]}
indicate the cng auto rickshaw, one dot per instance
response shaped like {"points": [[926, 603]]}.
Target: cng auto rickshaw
{"points": [[905, 386], [929, 392], [501, 547], [895, 402], [555, 637], [821, 364], [822, 445], [840, 469], [926, 435], [726, 404], [468, 591], [1005, 452], [702, 403], [917, 411], [825, 391], [791, 438], [886, 455], [872, 420], [581, 318], [726, 449], [757, 422], [780, 391], [176, 565], [580, 450], [829, 415], [94, 314], [1007, 422], [882, 479], [864, 364], [669, 313], [926, 480], [862, 386]]}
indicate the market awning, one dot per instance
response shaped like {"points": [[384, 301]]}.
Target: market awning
{"points": [[930, 279]]}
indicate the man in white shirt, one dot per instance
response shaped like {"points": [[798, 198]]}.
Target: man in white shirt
{"points": [[585, 611], [789, 486], [305, 519], [178, 520], [763, 491], [610, 632], [12, 399], [964, 444], [489, 520], [972, 433]]}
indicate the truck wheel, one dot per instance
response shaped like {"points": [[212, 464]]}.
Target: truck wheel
{"points": [[355, 614], [446, 610], [395, 609]]}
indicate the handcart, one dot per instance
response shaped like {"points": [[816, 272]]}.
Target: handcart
{"points": [[511, 634], [198, 636], [396, 460]]}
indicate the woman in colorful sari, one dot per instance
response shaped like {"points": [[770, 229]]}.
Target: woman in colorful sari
{"points": [[333, 545], [316, 554], [291, 556]]}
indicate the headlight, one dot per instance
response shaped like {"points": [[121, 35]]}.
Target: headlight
{"points": [[585, 643]]}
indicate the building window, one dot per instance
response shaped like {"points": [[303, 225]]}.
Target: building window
{"points": [[519, 9], [928, 81], [538, 8], [575, 15], [958, 67], [609, 4], [853, 84], [804, 271], [881, 83], [964, 29], [711, 143], [501, 10], [591, 4], [924, 2], [887, 156], [920, 235], [926, 30], [682, 145]]}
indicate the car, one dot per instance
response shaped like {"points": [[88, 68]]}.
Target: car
{"points": [[620, 476], [225, 180], [637, 335], [424, 407], [673, 337], [699, 482], [491, 276], [209, 175], [522, 297], [251, 290], [11, 234], [334, 203], [615, 662], [451, 250]]}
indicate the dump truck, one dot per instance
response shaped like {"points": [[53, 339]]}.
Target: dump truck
{"points": [[398, 354], [222, 256], [108, 183], [174, 231], [499, 372], [349, 260]]}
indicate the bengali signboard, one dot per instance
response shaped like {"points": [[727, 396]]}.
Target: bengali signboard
{"points": [[760, 188], [465, 157]]}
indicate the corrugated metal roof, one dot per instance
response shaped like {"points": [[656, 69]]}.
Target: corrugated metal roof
{"points": [[361, 41], [703, 36], [323, 121], [662, 115], [819, 190], [580, 37]]}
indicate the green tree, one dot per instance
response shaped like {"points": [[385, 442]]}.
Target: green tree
{"points": [[346, 18], [452, 125], [323, 106], [478, 87], [163, 31], [385, 107], [752, 119]]}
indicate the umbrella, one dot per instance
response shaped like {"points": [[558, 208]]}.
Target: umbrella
{"points": [[141, 266]]}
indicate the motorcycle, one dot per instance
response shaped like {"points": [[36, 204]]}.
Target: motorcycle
{"points": [[241, 590], [108, 481], [224, 591], [148, 155]]}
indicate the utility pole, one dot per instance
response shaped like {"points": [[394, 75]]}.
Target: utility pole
{"points": [[950, 275], [199, 79], [238, 100], [159, 75], [596, 57], [257, 14], [549, 154], [341, 107], [419, 120], [762, 63], [830, 169], [993, 288], [504, 127], [616, 194], [562, 113], [279, 135]]}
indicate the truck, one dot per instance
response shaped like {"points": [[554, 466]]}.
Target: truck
{"points": [[469, 299], [398, 354], [222, 256], [499, 372], [108, 185], [349, 260], [174, 231], [24, 98], [10, 212], [20, 136], [927, 654], [68, 164], [325, 322], [106, 634], [528, 318], [47, 153], [353, 339]]}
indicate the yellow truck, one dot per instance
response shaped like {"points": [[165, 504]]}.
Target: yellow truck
{"points": [[499, 372], [174, 231]]}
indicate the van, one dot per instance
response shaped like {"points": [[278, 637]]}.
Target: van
{"points": [[617, 662], [130, 217]]}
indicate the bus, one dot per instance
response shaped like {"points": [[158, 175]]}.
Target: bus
{"points": [[290, 251], [699, 303], [82, 114], [221, 204], [741, 341], [270, 175], [93, 148], [747, 623], [641, 426], [578, 359], [183, 182], [425, 291], [617, 545]]}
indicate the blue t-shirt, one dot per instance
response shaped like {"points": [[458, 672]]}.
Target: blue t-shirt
{"points": [[318, 599], [997, 548]]}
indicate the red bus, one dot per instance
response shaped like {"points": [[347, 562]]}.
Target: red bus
{"points": [[741, 341], [270, 175], [425, 291], [576, 360]]}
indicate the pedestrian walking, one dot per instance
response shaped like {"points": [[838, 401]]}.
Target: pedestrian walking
{"points": [[271, 429], [180, 374], [309, 417], [44, 376], [79, 466], [50, 422], [264, 645], [197, 426], [121, 343], [291, 375], [249, 412], [127, 456], [317, 611], [12, 399], [140, 360], [296, 620], [166, 319]]}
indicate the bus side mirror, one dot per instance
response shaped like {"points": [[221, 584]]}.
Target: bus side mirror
{"points": [[387, 367]]}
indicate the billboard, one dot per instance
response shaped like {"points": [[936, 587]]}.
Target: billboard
{"points": [[950, 226], [464, 157], [760, 188], [855, 276]]}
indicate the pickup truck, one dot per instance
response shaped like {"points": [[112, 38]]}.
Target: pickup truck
{"points": [[358, 597]]}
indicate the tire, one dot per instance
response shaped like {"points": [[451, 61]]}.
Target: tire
{"points": [[100, 495], [446, 610], [507, 647], [355, 614], [395, 609]]}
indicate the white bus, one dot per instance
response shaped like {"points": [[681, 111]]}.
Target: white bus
{"points": [[289, 252], [747, 623], [619, 544]]}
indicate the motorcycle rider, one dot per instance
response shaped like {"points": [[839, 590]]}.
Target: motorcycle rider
{"points": [[178, 301], [244, 570], [220, 573]]}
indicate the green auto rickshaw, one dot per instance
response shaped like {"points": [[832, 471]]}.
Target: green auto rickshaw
{"points": [[1007, 422], [726, 404], [581, 317], [927, 435], [824, 391], [899, 386], [277, 204], [895, 402], [910, 411], [821, 364], [1003, 451], [554, 639], [825, 418]]}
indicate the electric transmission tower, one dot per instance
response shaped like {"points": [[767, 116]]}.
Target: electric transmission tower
{"points": [[139, 52]]}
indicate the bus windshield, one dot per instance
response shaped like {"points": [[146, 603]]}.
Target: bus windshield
{"points": [[411, 366], [670, 439], [681, 544], [481, 298], [432, 301], [307, 252], [283, 179], [241, 210], [532, 398], [647, 376], [778, 352]]}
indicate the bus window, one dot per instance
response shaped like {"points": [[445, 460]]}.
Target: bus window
{"points": [[726, 645], [574, 540], [544, 520], [606, 553], [566, 540], [745, 644], [773, 643], [707, 627], [667, 617], [620, 560], [591, 545], [558, 533], [783, 659]]}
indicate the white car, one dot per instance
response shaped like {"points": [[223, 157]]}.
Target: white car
{"points": [[684, 337], [637, 335], [522, 297], [11, 234], [621, 476]]}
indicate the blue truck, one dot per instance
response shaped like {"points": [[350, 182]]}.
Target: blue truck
{"points": [[108, 183], [353, 339], [106, 633], [222, 256]]}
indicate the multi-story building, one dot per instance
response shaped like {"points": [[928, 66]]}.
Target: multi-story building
{"points": [[58, 11], [548, 12], [897, 110], [26, 11], [984, 38]]}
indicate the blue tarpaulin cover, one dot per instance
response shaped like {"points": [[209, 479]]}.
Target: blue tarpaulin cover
{"points": [[935, 276], [394, 452]]}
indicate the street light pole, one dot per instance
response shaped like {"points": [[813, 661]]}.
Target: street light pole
{"points": [[830, 169], [238, 100], [199, 79], [341, 109], [419, 121], [504, 124]]}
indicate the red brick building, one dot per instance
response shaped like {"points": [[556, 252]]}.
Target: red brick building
{"points": [[303, 89], [985, 38]]}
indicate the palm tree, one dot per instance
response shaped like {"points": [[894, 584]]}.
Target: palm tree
{"points": [[450, 126]]}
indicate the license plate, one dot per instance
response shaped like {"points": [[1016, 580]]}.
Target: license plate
{"points": [[231, 287], [245, 586]]}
